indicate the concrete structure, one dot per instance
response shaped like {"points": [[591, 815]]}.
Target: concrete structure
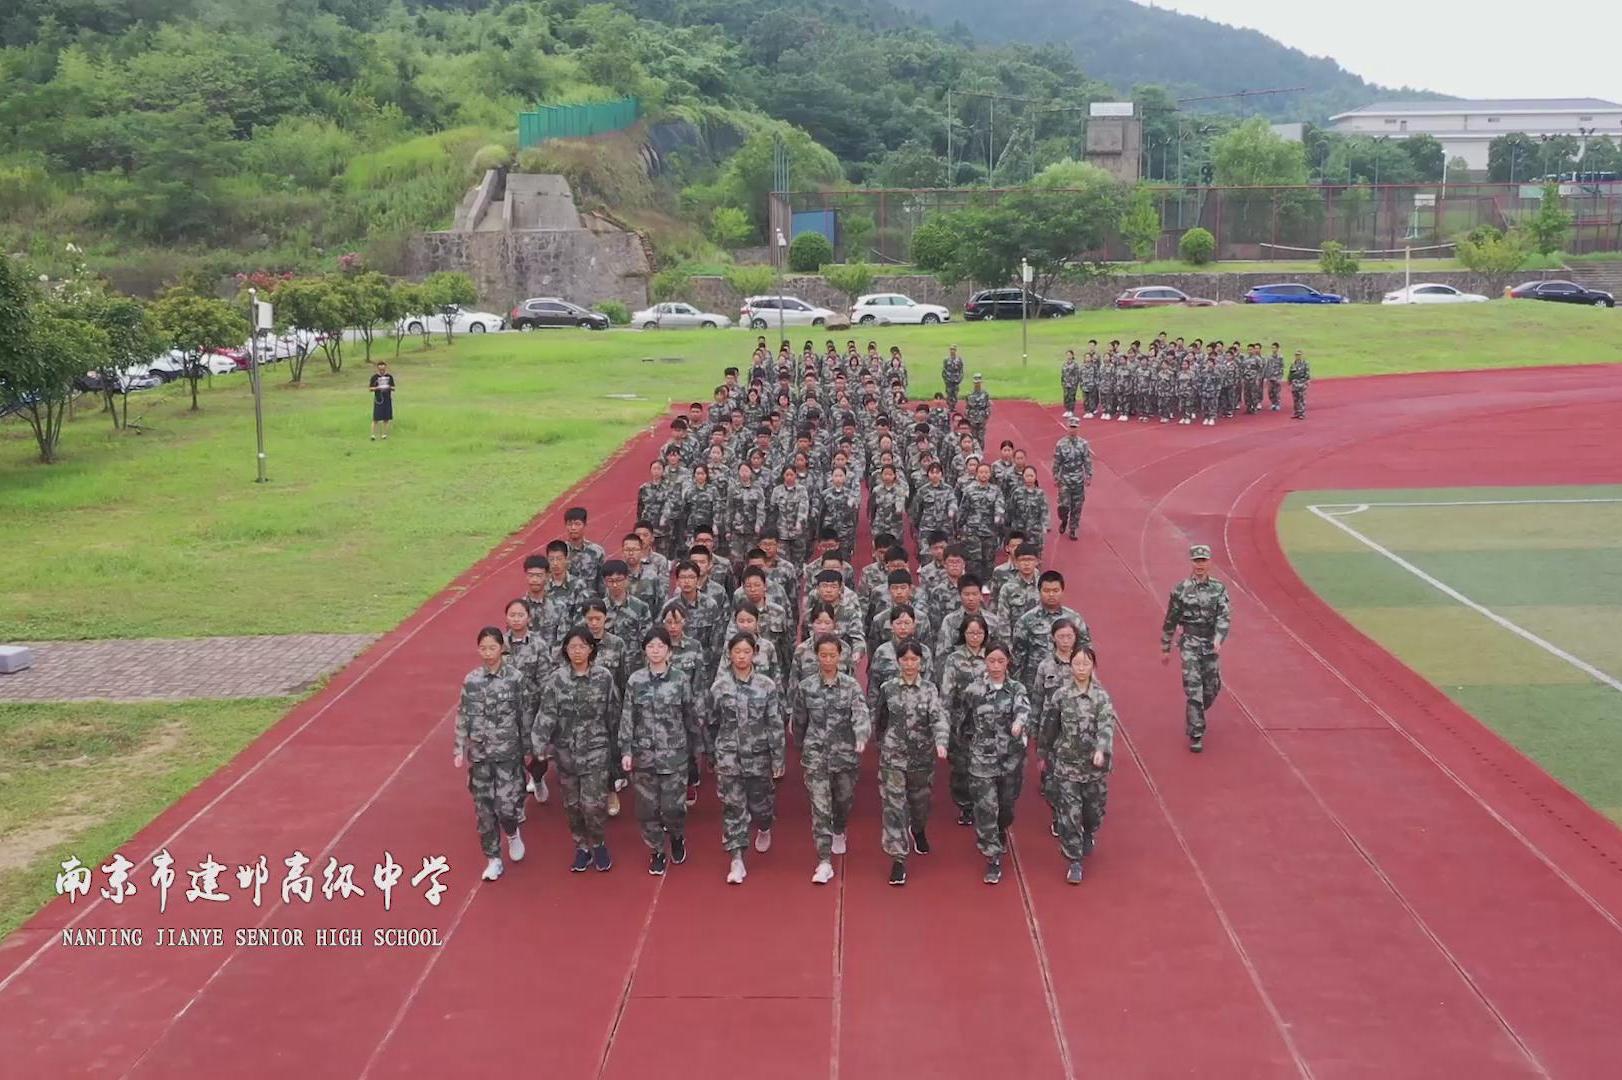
{"points": [[1465, 128], [1115, 140]]}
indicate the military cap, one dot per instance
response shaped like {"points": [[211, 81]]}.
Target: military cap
{"points": [[1073, 422], [1200, 551], [978, 377]]}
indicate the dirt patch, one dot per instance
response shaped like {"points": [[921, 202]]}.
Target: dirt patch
{"points": [[22, 849]]}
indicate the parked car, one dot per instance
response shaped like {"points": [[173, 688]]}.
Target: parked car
{"points": [[1005, 304], [675, 315], [550, 312], [126, 382], [274, 346], [462, 321], [1147, 296], [172, 365], [1562, 292], [1290, 294], [895, 308], [763, 311], [1432, 293]]}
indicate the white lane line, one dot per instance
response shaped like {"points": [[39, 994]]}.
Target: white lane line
{"points": [[1483, 502], [1449, 591]]}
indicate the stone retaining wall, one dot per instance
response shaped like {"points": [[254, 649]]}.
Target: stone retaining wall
{"points": [[582, 265]]}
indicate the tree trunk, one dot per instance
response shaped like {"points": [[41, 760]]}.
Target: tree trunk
{"points": [[366, 336], [193, 378]]}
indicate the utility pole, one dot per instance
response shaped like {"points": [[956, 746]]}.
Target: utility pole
{"points": [[259, 317], [781, 178], [949, 172], [1024, 311]]}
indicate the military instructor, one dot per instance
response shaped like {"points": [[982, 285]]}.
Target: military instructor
{"points": [[1199, 605]]}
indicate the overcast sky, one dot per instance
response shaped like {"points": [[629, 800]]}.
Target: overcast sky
{"points": [[1491, 50]]}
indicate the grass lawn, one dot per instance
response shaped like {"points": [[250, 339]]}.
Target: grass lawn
{"points": [[164, 534], [1553, 569], [81, 779]]}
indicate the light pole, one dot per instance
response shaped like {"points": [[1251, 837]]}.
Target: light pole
{"points": [[782, 260], [259, 316], [1024, 311]]}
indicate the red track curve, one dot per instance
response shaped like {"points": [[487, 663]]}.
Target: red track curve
{"points": [[1356, 878]]}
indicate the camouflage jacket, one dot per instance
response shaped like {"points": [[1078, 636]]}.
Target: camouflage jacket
{"points": [[1072, 463], [706, 620], [650, 583], [934, 507], [803, 665], [1016, 598], [1076, 723], [690, 661], [883, 666], [658, 718], [829, 720], [989, 716], [1070, 374], [912, 720], [614, 657], [1051, 673], [840, 510], [586, 566], [878, 627], [697, 506], [790, 511], [977, 406], [746, 725], [574, 717], [1005, 475], [1029, 512], [650, 502], [559, 612], [628, 620], [492, 718], [887, 508], [1250, 368], [1091, 370], [1200, 608], [533, 659], [951, 626], [1108, 373], [745, 513], [1033, 638], [768, 656], [1273, 366], [952, 371], [981, 511], [1300, 372], [960, 668]]}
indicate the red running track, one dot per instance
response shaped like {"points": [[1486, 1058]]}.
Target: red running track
{"points": [[1355, 879]]}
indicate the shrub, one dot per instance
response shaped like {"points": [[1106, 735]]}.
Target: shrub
{"points": [[852, 279], [730, 227], [617, 313], [751, 280], [1335, 260], [1197, 246], [491, 156], [1488, 251], [669, 283], [809, 252]]}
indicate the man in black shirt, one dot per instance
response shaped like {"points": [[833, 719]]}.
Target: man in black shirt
{"points": [[381, 386]]}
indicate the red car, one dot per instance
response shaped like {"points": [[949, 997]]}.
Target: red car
{"points": [[1159, 296]]}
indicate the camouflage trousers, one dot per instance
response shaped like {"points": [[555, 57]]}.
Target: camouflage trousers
{"points": [[957, 757], [1298, 399], [1078, 810], [661, 806], [832, 792], [1188, 404], [498, 800], [745, 800], [994, 799], [1202, 681], [1089, 399], [952, 389], [1071, 499], [982, 553], [1229, 399], [1253, 395], [585, 804], [904, 806], [1069, 399], [1275, 392], [1209, 400]]}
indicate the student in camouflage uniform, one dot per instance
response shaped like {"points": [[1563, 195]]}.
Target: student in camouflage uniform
{"points": [[1051, 673], [1072, 472], [577, 710], [492, 737], [628, 618], [912, 724], [745, 713], [997, 713], [971, 601], [1028, 508], [962, 666], [1273, 372], [1033, 634], [613, 655], [1199, 607], [832, 726], [981, 515], [788, 511], [887, 503], [977, 407], [585, 558], [1165, 388], [1228, 377], [1108, 374], [745, 514], [1020, 592], [1091, 371], [658, 721], [651, 498], [934, 506], [1187, 395], [1300, 376], [1070, 381], [952, 377], [839, 507], [1250, 378], [1208, 385], [1078, 739]]}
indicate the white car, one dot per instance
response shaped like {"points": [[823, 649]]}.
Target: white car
{"points": [[274, 347], [1432, 293], [673, 315], [463, 321], [895, 308], [172, 365], [763, 311]]}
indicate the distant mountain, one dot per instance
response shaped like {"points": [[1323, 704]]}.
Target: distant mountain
{"points": [[1128, 44]]}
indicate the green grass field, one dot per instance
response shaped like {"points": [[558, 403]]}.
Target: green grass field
{"points": [[1546, 674]]}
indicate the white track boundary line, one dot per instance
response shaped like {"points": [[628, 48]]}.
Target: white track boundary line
{"points": [[1476, 502], [1453, 594]]}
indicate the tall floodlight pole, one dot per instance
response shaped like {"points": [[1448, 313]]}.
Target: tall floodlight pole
{"points": [[780, 170], [257, 315], [1024, 312]]}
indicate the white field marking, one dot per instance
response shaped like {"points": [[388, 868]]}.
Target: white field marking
{"points": [[1447, 590], [1359, 507]]}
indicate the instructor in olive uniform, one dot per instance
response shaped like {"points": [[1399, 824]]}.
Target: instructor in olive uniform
{"points": [[1199, 605]]}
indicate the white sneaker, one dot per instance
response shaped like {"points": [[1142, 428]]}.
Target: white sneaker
{"points": [[736, 875], [1123, 418], [492, 869], [541, 794], [1089, 416], [1165, 419], [1104, 416], [529, 785], [824, 873], [839, 843], [613, 804], [763, 840], [1068, 414], [515, 848]]}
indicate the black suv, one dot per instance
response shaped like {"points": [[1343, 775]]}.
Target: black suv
{"points": [[1005, 304], [548, 311]]}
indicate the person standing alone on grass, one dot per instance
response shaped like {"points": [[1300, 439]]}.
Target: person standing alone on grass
{"points": [[492, 737], [952, 377], [1199, 606], [381, 386]]}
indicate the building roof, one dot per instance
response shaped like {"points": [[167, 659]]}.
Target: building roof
{"points": [[1486, 105]]}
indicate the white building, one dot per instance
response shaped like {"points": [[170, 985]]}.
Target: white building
{"points": [[1464, 128]]}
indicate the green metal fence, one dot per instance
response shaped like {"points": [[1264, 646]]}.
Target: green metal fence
{"points": [[573, 121]]}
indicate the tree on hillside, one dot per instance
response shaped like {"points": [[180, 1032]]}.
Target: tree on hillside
{"points": [[1251, 155], [911, 165], [746, 179], [446, 292], [197, 326]]}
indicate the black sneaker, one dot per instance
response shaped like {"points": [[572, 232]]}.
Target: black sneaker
{"points": [[920, 842], [1088, 842], [993, 871], [678, 850], [656, 864], [1073, 875], [965, 816], [582, 860], [898, 873], [601, 859]]}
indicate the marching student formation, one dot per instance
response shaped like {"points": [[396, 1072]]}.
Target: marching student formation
{"points": [[732, 622]]}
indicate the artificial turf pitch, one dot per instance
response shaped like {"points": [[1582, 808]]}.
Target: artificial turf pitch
{"points": [[1509, 600]]}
